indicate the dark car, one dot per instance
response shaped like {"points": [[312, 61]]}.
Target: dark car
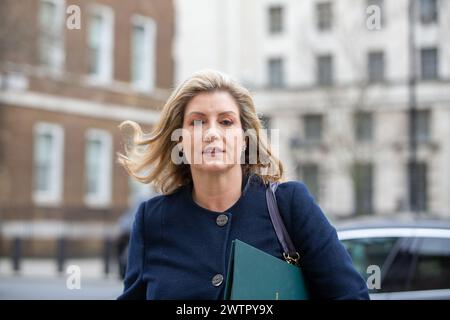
{"points": [[413, 257]]}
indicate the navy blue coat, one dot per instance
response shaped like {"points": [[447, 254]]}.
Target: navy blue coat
{"points": [[177, 247]]}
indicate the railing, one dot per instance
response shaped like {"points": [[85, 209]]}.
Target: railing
{"points": [[19, 232]]}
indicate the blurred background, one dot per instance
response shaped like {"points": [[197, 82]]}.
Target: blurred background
{"points": [[358, 89]]}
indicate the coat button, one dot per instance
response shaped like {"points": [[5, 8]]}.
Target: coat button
{"points": [[217, 280], [222, 220]]}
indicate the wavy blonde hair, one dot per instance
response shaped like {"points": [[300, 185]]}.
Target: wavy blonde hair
{"points": [[153, 153]]}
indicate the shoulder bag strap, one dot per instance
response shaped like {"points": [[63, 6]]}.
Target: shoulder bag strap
{"points": [[290, 254]]}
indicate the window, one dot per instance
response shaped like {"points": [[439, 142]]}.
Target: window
{"points": [[397, 267], [100, 42], [276, 73], [429, 63], [418, 186], [380, 5], [275, 20], [48, 163], [375, 67], [428, 11], [369, 251], [433, 265], [324, 13], [313, 128], [143, 53], [98, 165], [422, 127], [309, 174], [363, 188], [51, 36], [363, 126], [325, 70]]}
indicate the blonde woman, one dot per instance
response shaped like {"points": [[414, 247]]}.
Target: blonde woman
{"points": [[201, 156]]}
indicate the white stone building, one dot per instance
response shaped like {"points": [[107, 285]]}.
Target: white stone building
{"points": [[337, 90]]}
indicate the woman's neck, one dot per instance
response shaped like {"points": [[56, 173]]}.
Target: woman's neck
{"points": [[217, 191]]}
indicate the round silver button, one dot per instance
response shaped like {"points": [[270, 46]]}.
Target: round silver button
{"points": [[222, 220], [217, 280]]}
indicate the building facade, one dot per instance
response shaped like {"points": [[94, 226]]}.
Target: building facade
{"points": [[333, 77], [71, 72]]}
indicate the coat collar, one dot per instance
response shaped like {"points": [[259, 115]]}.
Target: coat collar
{"points": [[248, 181]]}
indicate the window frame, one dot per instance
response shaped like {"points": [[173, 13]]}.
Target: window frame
{"points": [[364, 181], [103, 197], [423, 121], [106, 47], [275, 28], [150, 48], [322, 24], [305, 169], [372, 76], [53, 196], [418, 194], [308, 139], [423, 75], [57, 56], [323, 81], [282, 80], [425, 19], [360, 118]]}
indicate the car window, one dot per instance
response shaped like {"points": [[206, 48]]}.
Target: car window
{"points": [[369, 251], [432, 268], [398, 266]]}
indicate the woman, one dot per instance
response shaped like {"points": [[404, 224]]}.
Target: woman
{"points": [[201, 157]]}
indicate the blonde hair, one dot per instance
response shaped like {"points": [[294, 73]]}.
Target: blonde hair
{"points": [[154, 153]]}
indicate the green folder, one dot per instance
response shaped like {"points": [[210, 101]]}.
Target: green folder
{"points": [[255, 275]]}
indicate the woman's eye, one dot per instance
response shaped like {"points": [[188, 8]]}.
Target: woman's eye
{"points": [[200, 122]]}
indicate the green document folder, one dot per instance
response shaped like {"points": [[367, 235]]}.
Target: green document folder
{"points": [[255, 275]]}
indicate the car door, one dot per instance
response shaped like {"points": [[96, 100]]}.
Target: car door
{"points": [[419, 270], [430, 275], [380, 252], [397, 269]]}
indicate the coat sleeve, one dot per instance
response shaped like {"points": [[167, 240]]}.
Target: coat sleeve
{"points": [[134, 286], [327, 266]]}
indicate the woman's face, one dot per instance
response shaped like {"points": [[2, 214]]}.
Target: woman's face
{"points": [[213, 139]]}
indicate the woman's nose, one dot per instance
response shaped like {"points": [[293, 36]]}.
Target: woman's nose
{"points": [[211, 134]]}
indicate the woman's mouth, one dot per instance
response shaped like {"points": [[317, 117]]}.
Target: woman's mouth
{"points": [[212, 150]]}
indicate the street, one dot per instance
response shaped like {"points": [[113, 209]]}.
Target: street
{"points": [[38, 280], [42, 288]]}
